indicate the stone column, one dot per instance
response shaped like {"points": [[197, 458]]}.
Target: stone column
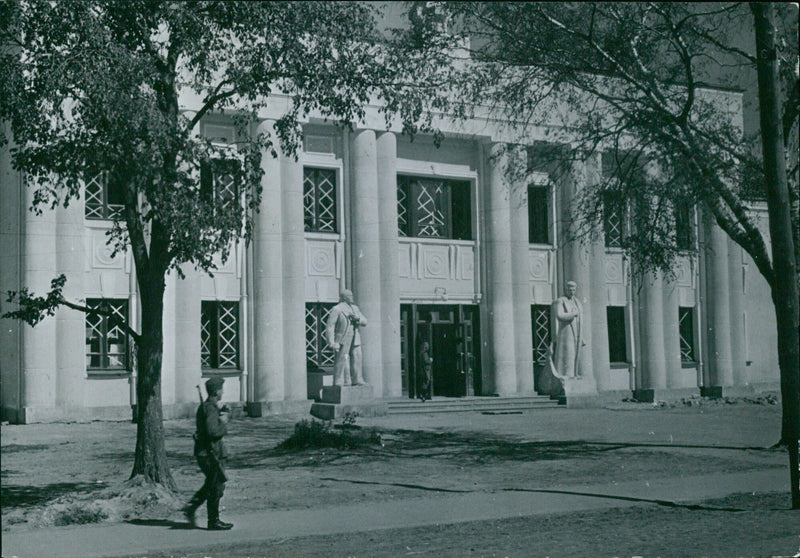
{"points": [[12, 218], [187, 334], [672, 340], [499, 282], [366, 253], [598, 293], [521, 281], [71, 324], [720, 362], [390, 289], [268, 381], [294, 294], [39, 355], [576, 259], [738, 341], [653, 368]]}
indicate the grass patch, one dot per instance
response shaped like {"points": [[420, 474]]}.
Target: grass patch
{"points": [[79, 514], [320, 434]]}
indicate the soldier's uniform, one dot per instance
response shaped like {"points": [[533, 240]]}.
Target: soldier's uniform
{"points": [[210, 452]]}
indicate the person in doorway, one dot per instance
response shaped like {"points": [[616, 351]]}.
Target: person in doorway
{"points": [[212, 421], [344, 338], [424, 371]]}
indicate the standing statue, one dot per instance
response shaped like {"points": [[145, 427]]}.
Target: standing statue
{"points": [[343, 337], [569, 340]]}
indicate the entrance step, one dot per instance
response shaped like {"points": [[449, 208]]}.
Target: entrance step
{"points": [[496, 405]]}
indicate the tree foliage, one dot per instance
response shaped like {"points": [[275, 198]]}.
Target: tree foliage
{"points": [[120, 87], [641, 82]]}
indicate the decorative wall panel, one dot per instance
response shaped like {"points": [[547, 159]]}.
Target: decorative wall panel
{"points": [[541, 263], [323, 267], [436, 269]]}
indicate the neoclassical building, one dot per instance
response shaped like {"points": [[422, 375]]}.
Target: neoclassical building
{"points": [[437, 244]]}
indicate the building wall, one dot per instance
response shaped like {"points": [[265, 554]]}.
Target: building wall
{"points": [[286, 268]]}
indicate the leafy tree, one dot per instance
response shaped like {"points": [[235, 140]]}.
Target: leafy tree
{"points": [[633, 81], [95, 86]]}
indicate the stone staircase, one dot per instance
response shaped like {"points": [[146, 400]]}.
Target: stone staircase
{"points": [[489, 405]]}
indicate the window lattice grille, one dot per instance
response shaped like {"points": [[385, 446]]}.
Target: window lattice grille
{"points": [[205, 340], [613, 225], [219, 334], [319, 200], [434, 208], [219, 181], [430, 211], [318, 353], [686, 333], [402, 212], [106, 342], [540, 322], [101, 202]]}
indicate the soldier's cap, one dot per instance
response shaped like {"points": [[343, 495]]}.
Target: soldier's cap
{"points": [[213, 385]]}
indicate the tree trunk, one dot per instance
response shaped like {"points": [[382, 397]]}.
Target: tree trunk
{"points": [[784, 286], [150, 459]]}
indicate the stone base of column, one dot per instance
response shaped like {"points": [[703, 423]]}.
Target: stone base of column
{"points": [[674, 394], [111, 413], [718, 392], [266, 408], [340, 400]]}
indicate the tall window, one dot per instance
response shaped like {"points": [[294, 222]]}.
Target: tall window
{"points": [[433, 208], [103, 201], [613, 219], [219, 334], [538, 222], [319, 200], [683, 226], [540, 328], [219, 181], [318, 354], [615, 320], [107, 345], [686, 333]]}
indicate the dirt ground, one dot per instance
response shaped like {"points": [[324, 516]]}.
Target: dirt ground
{"points": [[61, 473]]}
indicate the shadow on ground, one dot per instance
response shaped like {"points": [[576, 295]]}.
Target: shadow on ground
{"points": [[462, 448], [177, 525]]}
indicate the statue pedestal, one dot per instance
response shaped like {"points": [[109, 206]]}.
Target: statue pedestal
{"points": [[581, 391], [336, 401]]}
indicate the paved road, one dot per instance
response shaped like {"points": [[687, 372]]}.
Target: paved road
{"points": [[126, 539]]}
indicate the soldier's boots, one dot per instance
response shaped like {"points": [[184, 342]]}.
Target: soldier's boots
{"points": [[219, 525], [189, 514]]}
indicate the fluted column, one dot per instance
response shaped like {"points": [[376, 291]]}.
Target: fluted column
{"points": [[389, 275], [651, 327], [672, 340], [598, 293], [738, 341], [12, 216], [499, 274], [294, 296], [366, 253], [39, 265], [268, 379], [720, 369], [71, 324], [187, 334], [576, 258], [521, 281]]}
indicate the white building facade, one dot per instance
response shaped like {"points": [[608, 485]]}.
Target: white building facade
{"points": [[436, 244]]}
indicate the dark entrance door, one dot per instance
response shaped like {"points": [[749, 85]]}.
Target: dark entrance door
{"points": [[448, 379], [451, 332]]}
